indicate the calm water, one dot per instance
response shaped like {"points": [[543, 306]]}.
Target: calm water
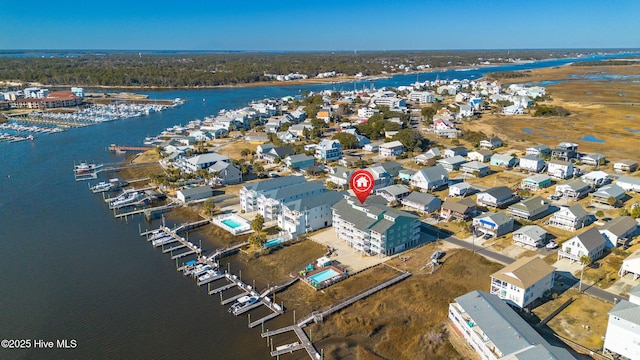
{"points": [[69, 270]]}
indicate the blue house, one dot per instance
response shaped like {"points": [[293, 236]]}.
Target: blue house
{"points": [[329, 150], [503, 160], [300, 161]]}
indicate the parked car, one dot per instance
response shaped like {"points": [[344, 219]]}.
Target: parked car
{"points": [[553, 197], [551, 245], [437, 255]]}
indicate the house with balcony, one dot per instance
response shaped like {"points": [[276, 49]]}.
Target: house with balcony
{"points": [[381, 177], [270, 202], [492, 143], [249, 192], [481, 155], [308, 214], [595, 159], [629, 183], [456, 151], [299, 161], [619, 231], [570, 218], [631, 265], [225, 174], [622, 339], [340, 176], [529, 209], [476, 169], [625, 165], [565, 151], [391, 149], [495, 331], [522, 282], [201, 162], [329, 150], [394, 192], [591, 243], [595, 179], [530, 236], [460, 189], [422, 202], [560, 169], [273, 154], [494, 224], [435, 177], [503, 160], [462, 209], [606, 193], [405, 175], [538, 150], [574, 189], [536, 182], [451, 163], [374, 228], [532, 163], [497, 197]]}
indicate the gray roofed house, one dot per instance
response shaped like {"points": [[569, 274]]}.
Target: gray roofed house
{"points": [[495, 224], [394, 192], [460, 189], [631, 264], [458, 209], [594, 159], [619, 230], [530, 209], [572, 217], [575, 189], [456, 151], [497, 331], [531, 236], [532, 163], [503, 160], [452, 163], [590, 243], [494, 142], [374, 228], [202, 161], [430, 178], [481, 155], [340, 176], [278, 152], [610, 191], [249, 192], [475, 168], [309, 213], [536, 182], [422, 202], [225, 173], [194, 193], [538, 150], [498, 197], [629, 183], [270, 202], [392, 167], [625, 165], [624, 325]]}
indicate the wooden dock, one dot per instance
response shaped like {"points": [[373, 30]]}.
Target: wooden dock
{"points": [[228, 250], [234, 298], [118, 148], [304, 343], [222, 288], [279, 287]]}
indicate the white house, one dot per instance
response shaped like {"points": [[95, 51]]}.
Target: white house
{"points": [[625, 165], [596, 178], [619, 230], [590, 243], [491, 143], [225, 173], [575, 189], [422, 202], [460, 189], [194, 193], [394, 192], [629, 183], [475, 168], [309, 213], [538, 150], [249, 193], [494, 224], [623, 329], [497, 197], [393, 148], [532, 163], [201, 162], [481, 155], [523, 281], [532, 236], [431, 178], [560, 169], [631, 265], [340, 176], [570, 218]]}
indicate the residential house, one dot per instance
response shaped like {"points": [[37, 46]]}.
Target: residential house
{"points": [[374, 228], [595, 159], [329, 150], [462, 209], [372, 147], [570, 218], [325, 114], [538, 150], [349, 160], [309, 213], [481, 155], [277, 153], [435, 177], [287, 136], [393, 148], [263, 149], [422, 202], [524, 281], [631, 265], [619, 231], [423, 97], [225, 173], [451, 163], [475, 168], [629, 183], [503, 160], [575, 189], [201, 162], [429, 158], [497, 197], [591, 243], [299, 129], [622, 338], [536, 182], [565, 151], [625, 165], [340, 176], [531, 163], [381, 177], [194, 193], [249, 192], [492, 143], [530, 236], [465, 110], [530, 209], [405, 175], [604, 195], [494, 224], [270, 201], [596, 178], [560, 169], [394, 192], [460, 189], [488, 325], [300, 161], [455, 151]]}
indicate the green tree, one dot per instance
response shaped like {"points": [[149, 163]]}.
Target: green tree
{"points": [[427, 113], [613, 202], [635, 212], [409, 138], [331, 185], [257, 223], [245, 152], [347, 141], [209, 208], [600, 214], [585, 260], [257, 240]]}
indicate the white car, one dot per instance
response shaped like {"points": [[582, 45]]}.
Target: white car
{"points": [[551, 245]]}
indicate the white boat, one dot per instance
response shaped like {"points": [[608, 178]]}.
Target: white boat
{"points": [[242, 303], [162, 241], [84, 167], [209, 274], [200, 269], [102, 186]]}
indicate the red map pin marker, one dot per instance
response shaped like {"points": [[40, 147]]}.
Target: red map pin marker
{"points": [[362, 184]]}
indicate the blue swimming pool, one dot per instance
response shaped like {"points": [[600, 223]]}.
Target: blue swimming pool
{"points": [[324, 275], [231, 223], [272, 242]]}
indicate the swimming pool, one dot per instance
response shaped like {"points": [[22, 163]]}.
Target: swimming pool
{"points": [[324, 275], [231, 223], [273, 242]]}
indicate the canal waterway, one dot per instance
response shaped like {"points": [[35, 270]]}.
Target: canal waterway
{"points": [[69, 270]]}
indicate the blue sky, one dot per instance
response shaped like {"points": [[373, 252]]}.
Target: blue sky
{"points": [[319, 25]]}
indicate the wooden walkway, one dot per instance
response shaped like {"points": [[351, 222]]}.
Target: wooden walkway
{"points": [[224, 251], [115, 147]]}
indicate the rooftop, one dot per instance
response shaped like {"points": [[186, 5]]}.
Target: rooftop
{"points": [[524, 272]]}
